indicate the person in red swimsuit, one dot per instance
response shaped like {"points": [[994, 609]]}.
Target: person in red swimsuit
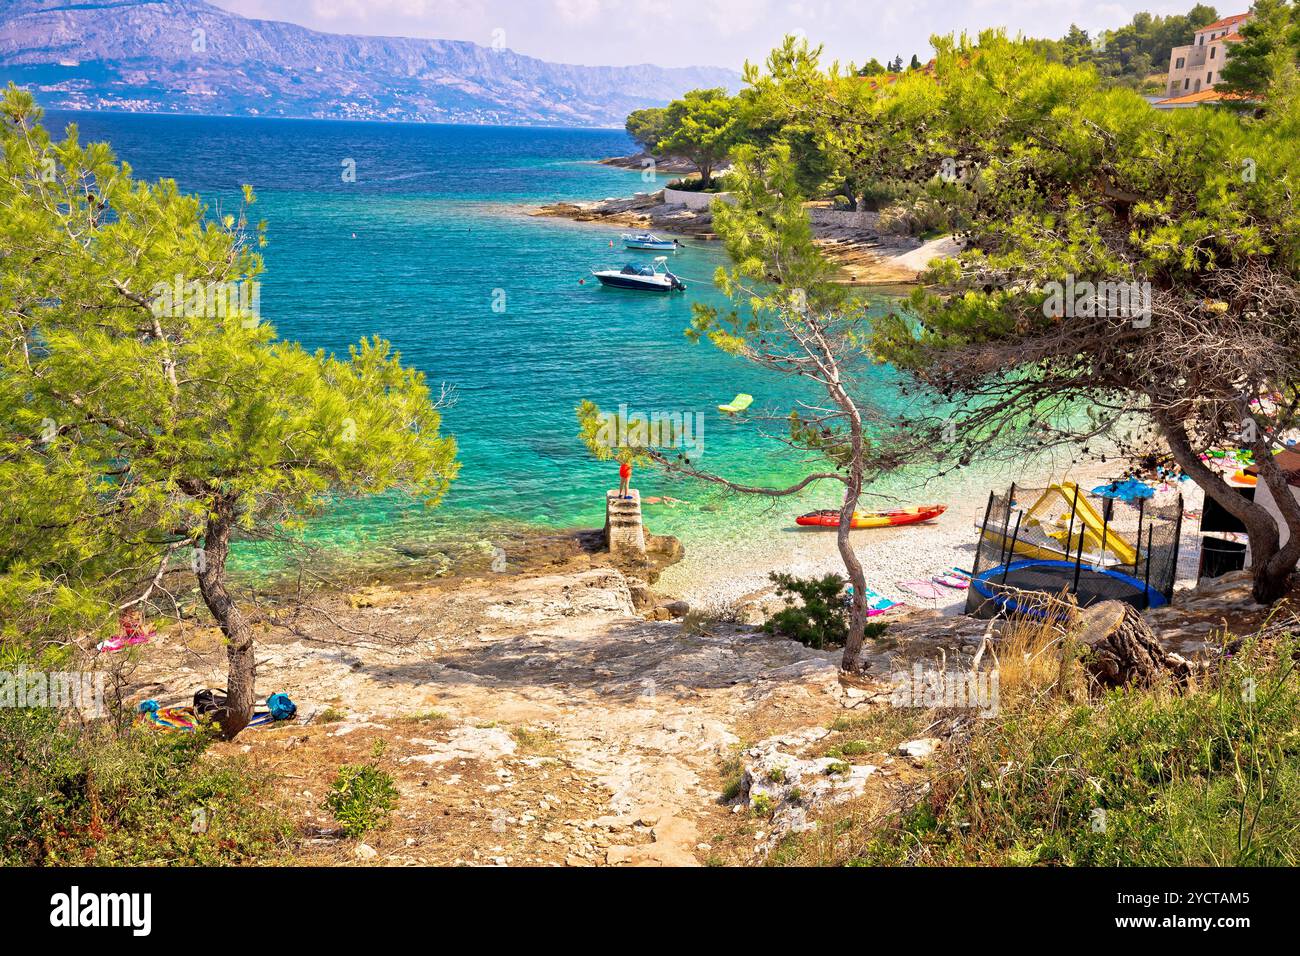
{"points": [[624, 479]]}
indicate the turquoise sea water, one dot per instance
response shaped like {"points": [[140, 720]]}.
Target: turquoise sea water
{"points": [[417, 250]]}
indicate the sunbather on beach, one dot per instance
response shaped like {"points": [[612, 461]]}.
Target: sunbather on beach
{"points": [[132, 630]]}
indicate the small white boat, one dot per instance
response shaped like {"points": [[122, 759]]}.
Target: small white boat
{"points": [[653, 278], [648, 240]]}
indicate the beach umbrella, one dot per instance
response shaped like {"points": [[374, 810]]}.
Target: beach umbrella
{"points": [[1129, 490]]}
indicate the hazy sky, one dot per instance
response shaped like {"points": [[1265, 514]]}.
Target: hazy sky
{"points": [[699, 32]]}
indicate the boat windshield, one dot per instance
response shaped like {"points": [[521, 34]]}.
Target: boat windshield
{"points": [[631, 269]]}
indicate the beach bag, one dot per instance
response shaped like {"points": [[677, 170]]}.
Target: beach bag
{"points": [[281, 707], [208, 702]]}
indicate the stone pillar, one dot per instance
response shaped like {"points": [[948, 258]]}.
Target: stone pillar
{"points": [[624, 533]]}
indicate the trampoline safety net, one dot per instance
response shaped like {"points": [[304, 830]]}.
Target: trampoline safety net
{"points": [[1045, 541]]}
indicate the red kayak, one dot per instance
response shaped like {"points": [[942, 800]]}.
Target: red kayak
{"points": [[872, 519]]}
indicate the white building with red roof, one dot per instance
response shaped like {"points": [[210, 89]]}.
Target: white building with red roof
{"points": [[1198, 68]]}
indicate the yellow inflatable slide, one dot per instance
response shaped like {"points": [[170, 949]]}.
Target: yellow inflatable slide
{"points": [[1088, 523]]}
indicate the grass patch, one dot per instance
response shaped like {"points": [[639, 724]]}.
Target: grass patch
{"points": [[703, 622], [850, 748], [1135, 778], [874, 730], [331, 715], [536, 741], [540, 742], [733, 774]]}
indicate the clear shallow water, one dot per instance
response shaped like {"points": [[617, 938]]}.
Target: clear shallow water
{"points": [[417, 250]]}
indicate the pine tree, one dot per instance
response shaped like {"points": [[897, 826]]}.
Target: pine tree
{"points": [[149, 415]]}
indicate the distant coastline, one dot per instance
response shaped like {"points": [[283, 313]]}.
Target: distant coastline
{"points": [[357, 121]]}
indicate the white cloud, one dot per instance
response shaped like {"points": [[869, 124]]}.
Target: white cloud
{"points": [[578, 11]]}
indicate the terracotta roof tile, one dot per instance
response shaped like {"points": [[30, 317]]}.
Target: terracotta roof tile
{"points": [[1225, 22], [1204, 96]]}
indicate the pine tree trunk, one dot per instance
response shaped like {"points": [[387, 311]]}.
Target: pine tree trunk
{"points": [[1269, 582], [852, 493], [858, 608], [240, 653], [1271, 564], [1272, 577]]}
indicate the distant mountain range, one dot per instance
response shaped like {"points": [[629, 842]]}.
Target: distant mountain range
{"points": [[187, 56]]}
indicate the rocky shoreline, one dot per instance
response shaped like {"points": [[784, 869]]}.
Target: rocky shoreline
{"points": [[451, 563], [866, 255], [638, 161]]}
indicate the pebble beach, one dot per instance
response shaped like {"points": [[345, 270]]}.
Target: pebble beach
{"points": [[721, 571]]}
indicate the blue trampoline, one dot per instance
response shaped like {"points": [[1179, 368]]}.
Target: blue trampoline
{"points": [[1052, 577]]}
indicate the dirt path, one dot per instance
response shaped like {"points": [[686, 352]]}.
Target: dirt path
{"points": [[529, 720]]}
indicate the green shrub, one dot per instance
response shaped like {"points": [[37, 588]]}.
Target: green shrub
{"points": [[362, 796], [850, 748], [880, 193], [932, 209], [821, 619], [733, 774], [722, 183], [77, 795], [704, 621]]}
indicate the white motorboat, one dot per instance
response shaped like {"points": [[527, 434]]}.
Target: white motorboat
{"points": [[652, 278], [648, 240]]}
